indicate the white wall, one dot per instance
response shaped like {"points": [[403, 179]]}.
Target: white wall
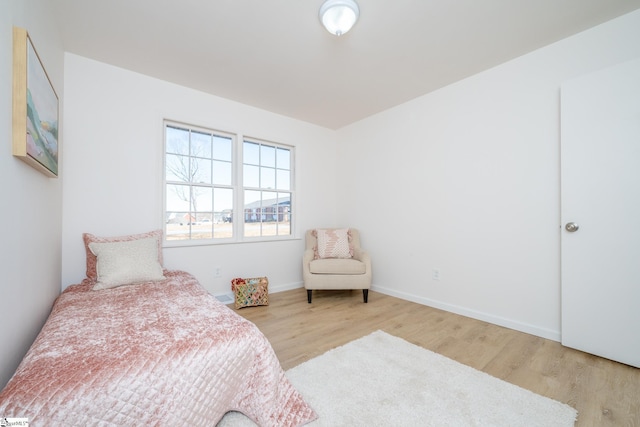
{"points": [[467, 180], [477, 163], [31, 206], [113, 170]]}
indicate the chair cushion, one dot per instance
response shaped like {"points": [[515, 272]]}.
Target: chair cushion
{"points": [[337, 266]]}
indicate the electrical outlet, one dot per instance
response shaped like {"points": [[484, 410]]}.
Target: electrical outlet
{"points": [[216, 272], [435, 275]]}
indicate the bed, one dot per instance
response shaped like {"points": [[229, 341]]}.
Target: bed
{"points": [[155, 352]]}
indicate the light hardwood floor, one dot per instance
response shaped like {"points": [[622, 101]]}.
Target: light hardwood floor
{"points": [[604, 392]]}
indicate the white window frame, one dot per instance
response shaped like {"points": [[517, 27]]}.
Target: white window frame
{"points": [[291, 213], [238, 205]]}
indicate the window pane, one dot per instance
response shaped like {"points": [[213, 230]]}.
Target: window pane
{"points": [[269, 205], [222, 173], [284, 214], [283, 178], [177, 168], [252, 229], [283, 159], [177, 140], [223, 213], [251, 197], [222, 148], [177, 227], [268, 156], [252, 213], [222, 200], [269, 215], [202, 199], [201, 144], [267, 178], [252, 205], [178, 197], [284, 229], [201, 227], [201, 171], [269, 229], [175, 217], [251, 176], [251, 153]]}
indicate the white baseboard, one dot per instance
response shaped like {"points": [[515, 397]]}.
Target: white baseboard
{"points": [[227, 298], [486, 317]]}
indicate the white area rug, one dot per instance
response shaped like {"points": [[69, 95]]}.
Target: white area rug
{"points": [[382, 380]]}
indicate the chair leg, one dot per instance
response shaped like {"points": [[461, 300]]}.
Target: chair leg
{"points": [[365, 294], [309, 296]]}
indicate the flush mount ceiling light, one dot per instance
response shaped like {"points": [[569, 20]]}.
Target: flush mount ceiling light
{"points": [[338, 16]]}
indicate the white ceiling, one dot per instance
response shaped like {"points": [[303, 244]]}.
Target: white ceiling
{"points": [[275, 55]]}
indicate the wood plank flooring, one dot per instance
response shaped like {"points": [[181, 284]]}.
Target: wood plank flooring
{"points": [[604, 392]]}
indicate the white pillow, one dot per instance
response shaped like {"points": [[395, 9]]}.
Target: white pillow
{"points": [[333, 243], [125, 263]]}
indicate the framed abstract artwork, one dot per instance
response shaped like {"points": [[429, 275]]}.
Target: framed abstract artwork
{"points": [[35, 108]]}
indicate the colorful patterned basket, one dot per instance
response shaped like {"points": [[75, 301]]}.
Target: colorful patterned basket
{"points": [[250, 292]]}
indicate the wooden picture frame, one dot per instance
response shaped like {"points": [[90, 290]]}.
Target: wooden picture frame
{"points": [[35, 108]]}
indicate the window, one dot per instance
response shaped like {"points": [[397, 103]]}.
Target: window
{"points": [[267, 189], [205, 186], [199, 183]]}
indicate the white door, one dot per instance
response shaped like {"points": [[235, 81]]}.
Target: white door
{"points": [[600, 187]]}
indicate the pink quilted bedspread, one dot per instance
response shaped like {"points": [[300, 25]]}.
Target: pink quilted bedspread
{"points": [[164, 353]]}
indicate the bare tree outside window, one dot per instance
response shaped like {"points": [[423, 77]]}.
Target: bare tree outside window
{"points": [[206, 200], [196, 161]]}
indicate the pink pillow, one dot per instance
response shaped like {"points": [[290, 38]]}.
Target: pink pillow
{"points": [[92, 259], [333, 243]]}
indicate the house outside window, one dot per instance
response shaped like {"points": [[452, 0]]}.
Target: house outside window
{"points": [[267, 174], [205, 186]]}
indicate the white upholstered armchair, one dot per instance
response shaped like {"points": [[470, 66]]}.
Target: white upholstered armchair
{"points": [[326, 265]]}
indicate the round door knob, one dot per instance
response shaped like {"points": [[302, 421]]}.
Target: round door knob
{"points": [[571, 227]]}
